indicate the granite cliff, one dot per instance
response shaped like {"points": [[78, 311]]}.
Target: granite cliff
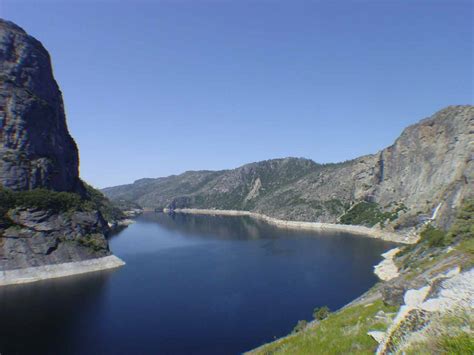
{"points": [[428, 168], [47, 214], [36, 149]]}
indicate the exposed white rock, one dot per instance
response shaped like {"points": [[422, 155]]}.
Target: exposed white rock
{"points": [[445, 292], [318, 226], [414, 298], [377, 335], [456, 291], [125, 222], [386, 269], [255, 190], [33, 274]]}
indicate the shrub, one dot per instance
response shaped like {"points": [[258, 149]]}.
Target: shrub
{"points": [[48, 200], [370, 213], [96, 200], [321, 313], [92, 242], [463, 226], [434, 237], [39, 198], [301, 325], [6, 202], [363, 213], [57, 202]]}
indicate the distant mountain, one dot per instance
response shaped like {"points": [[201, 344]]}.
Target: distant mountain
{"points": [[430, 166]]}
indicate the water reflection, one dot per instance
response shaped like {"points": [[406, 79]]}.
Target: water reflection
{"points": [[49, 316], [221, 227], [192, 284]]}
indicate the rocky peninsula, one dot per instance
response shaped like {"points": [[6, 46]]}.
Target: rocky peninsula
{"points": [[52, 224]]}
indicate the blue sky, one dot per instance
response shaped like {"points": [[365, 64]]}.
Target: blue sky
{"points": [[154, 88]]}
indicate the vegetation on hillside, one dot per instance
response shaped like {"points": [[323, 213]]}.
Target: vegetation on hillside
{"points": [[345, 331], [264, 187], [96, 200], [38, 198], [321, 313], [370, 213], [56, 202], [462, 229], [445, 334], [431, 247]]}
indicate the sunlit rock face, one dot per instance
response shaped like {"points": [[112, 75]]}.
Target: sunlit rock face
{"points": [[428, 169], [36, 149]]}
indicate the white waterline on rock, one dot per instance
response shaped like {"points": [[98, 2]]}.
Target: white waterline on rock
{"points": [[316, 226], [386, 269], [52, 271]]}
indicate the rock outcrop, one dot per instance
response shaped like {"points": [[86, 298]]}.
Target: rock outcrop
{"points": [[431, 163], [42, 237], [47, 214], [420, 319], [429, 167], [36, 149]]}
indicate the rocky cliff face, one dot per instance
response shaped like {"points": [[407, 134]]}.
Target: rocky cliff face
{"points": [[36, 149], [41, 237], [429, 165], [38, 158]]}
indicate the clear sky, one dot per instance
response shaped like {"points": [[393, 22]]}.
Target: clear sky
{"points": [[154, 88]]}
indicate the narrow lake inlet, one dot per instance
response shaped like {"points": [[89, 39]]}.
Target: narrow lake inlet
{"points": [[192, 284]]}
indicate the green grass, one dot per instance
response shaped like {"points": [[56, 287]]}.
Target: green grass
{"points": [[300, 326], [459, 344], [343, 332], [450, 333]]}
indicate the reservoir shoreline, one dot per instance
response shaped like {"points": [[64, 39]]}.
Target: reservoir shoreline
{"points": [[52, 271], [314, 226], [44, 272]]}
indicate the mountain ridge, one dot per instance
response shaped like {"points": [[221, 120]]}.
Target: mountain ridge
{"points": [[430, 162]]}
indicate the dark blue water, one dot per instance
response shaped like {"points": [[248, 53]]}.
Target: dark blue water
{"points": [[192, 285]]}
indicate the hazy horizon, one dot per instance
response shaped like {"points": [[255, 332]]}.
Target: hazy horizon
{"points": [[155, 88]]}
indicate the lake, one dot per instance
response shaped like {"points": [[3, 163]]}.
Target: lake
{"points": [[192, 285]]}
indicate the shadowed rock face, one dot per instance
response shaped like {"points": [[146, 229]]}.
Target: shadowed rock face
{"points": [[41, 238], [36, 149]]}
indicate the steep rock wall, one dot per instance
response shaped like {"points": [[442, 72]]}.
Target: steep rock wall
{"points": [[429, 165], [36, 149]]}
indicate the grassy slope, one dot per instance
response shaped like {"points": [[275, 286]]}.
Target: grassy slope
{"points": [[344, 332]]}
